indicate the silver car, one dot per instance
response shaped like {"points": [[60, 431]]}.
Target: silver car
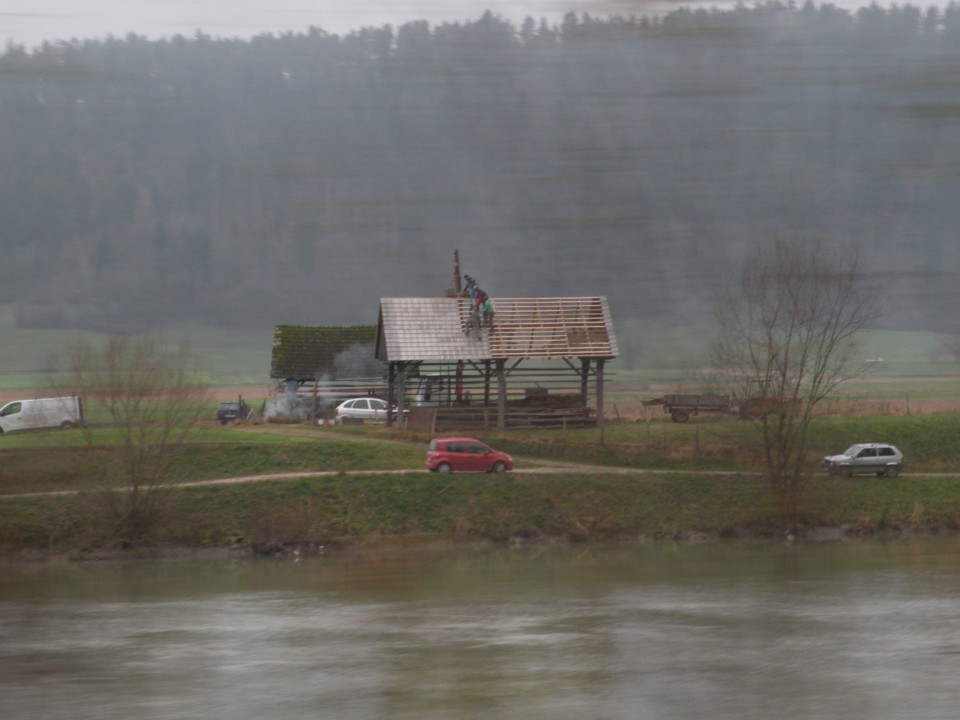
{"points": [[880, 459], [361, 410]]}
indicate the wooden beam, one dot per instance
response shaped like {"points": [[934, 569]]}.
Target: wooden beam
{"points": [[501, 396], [391, 391], [600, 398], [584, 379], [401, 396]]}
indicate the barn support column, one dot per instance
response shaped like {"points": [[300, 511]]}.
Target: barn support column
{"points": [[391, 390], [584, 380], [401, 395], [486, 394], [600, 398], [501, 395], [486, 383]]}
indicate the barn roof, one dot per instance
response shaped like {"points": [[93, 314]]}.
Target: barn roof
{"points": [[430, 328], [433, 329]]}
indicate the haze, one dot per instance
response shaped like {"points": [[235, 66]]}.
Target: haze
{"points": [[299, 177], [30, 22]]}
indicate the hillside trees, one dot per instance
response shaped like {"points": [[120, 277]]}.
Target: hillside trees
{"points": [[560, 159]]}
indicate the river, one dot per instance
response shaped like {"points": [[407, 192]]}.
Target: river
{"points": [[659, 631]]}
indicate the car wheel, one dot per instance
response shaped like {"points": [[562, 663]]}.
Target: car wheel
{"points": [[848, 471], [680, 416], [444, 468], [892, 472], [499, 466], [67, 425]]}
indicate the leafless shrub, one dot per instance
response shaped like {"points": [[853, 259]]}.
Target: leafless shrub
{"points": [[143, 405], [790, 326]]}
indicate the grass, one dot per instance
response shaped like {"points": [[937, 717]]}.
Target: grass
{"points": [[660, 355], [43, 462], [359, 507], [310, 512], [930, 443], [227, 357]]}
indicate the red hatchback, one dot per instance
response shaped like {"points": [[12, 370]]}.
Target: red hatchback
{"points": [[461, 454]]}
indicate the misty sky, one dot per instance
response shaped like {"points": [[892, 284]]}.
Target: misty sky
{"points": [[30, 22]]}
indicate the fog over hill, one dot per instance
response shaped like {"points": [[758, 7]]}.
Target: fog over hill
{"points": [[299, 178]]}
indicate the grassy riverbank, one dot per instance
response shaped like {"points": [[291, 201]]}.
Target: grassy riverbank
{"points": [[305, 514], [365, 485]]}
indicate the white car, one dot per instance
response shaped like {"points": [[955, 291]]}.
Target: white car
{"points": [[361, 410], [879, 458]]}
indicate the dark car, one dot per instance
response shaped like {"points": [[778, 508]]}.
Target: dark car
{"points": [[460, 454], [228, 412]]}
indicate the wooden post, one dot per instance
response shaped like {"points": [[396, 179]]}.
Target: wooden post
{"points": [[600, 397], [401, 395], [391, 391], [501, 395], [584, 380], [486, 383]]}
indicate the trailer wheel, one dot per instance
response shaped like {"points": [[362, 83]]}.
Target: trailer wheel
{"points": [[679, 416]]}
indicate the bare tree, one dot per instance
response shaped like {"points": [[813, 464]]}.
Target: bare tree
{"points": [[143, 405], [790, 330]]}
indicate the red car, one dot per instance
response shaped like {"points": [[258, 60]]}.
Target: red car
{"points": [[462, 454]]}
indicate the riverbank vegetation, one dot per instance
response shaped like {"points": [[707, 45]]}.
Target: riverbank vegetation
{"points": [[335, 487]]}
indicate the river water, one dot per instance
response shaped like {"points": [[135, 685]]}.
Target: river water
{"points": [[757, 630]]}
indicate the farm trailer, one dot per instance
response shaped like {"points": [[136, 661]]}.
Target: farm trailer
{"points": [[681, 407]]}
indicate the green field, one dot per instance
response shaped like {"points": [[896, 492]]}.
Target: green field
{"points": [[662, 357], [680, 481], [226, 357]]}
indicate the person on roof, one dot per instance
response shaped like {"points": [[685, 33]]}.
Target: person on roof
{"points": [[488, 312], [476, 306]]}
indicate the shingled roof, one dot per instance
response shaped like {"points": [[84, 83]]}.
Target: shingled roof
{"points": [[306, 352], [413, 329], [433, 329]]}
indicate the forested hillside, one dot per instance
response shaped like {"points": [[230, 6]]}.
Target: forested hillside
{"points": [[299, 178]]}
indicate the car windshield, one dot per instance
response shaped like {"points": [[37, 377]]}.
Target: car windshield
{"points": [[853, 450]]}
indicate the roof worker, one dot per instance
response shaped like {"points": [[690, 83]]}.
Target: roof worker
{"points": [[485, 306], [488, 312], [475, 306]]}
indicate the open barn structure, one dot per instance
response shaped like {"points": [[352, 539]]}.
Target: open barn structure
{"points": [[538, 363]]}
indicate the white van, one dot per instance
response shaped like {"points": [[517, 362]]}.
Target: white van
{"points": [[61, 412]]}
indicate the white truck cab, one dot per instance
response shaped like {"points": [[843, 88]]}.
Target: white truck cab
{"points": [[41, 413]]}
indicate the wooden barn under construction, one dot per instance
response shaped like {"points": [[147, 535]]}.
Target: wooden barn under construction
{"points": [[539, 363]]}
